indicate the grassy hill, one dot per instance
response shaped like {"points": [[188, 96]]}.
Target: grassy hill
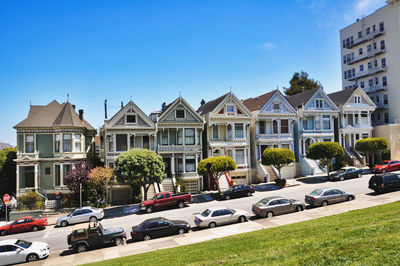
{"points": [[368, 237]]}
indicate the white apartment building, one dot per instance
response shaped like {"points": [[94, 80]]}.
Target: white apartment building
{"points": [[370, 55]]}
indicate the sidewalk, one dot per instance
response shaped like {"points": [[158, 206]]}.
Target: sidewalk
{"points": [[362, 201]]}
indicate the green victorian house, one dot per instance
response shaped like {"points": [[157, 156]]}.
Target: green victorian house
{"points": [[50, 141]]}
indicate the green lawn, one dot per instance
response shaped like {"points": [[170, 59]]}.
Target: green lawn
{"points": [[364, 237]]}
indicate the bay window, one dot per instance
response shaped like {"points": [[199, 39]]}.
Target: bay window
{"points": [[326, 122], [57, 143], [189, 136], [240, 156], [190, 164], [67, 143], [164, 137], [215, 132], [239, 131], [78, 144], [122, 142], [229, 131], [284, 126]]}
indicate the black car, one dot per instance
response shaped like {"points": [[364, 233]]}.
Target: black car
{"points": [[346, 173], [238, 191], [88, 235], [384, 182], [159, 227]]}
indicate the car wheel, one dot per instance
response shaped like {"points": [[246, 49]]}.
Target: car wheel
{"points": [[269, 215], [299, 208], [146, 237], [350, 198], [227, 197], [181, 204], [324, 203], [341, 178], [64, 223], [212, 225], [242, 219], [248, 194], [118, 241], [35, 228], [32, 257], [149, 209], [93, 219], [180, 231], [3, 232], [359, 175], [81, 248]]}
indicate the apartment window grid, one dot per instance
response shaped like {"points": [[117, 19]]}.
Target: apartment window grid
{"points": [[374, 45], [368, 31], [383, 45], [383, 62], [376, 81], [370, 82], [369, 49], [373, 28], [381, 26], [384, 81], [385, 99], [360, 51], [369, 65], [359, 34], [361, 68], [375, 63], [362, 84], [377, 100], [386, 117]]}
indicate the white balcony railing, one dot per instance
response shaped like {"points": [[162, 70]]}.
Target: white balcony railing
{"points": [[167, 148]]}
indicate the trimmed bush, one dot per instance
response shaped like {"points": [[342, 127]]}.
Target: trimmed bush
{"points": [[280, 182], [30, 201]]}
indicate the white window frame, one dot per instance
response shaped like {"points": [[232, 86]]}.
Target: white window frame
{"points": [[131, 123], [357, 98], [319, 103], [58, 138], [184, 113], [229, 112], [33, 143], [276, 104], [78, 142], [237, 151], [63, 139], [215, 128]]}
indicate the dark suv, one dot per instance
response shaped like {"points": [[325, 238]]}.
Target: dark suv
{"points": [[384, 182], [85, 236], [238, 191]]}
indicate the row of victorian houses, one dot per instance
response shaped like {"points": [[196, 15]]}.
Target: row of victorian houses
{"points": [[53, 137]]}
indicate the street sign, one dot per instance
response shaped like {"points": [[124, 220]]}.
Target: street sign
{"points": [[6, 198]]}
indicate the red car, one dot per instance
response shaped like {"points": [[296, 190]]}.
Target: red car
{"points": [[164, 200], [387, 166], [24, 224]]}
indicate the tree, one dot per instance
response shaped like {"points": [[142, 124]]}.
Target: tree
{"points": [[301, 83], [216, 167], [370, 146], [325, 152], [98, 181], [8, 170], [77, 176], [139, 167], [278, 158]]}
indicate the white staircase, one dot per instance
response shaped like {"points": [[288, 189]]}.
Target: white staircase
{"points": [[310, 167], [51, 205], [168, 185], [151, 192], [223, 182]]}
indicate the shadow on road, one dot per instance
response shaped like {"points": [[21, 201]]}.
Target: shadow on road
{"points": [[313, 179], [120, 211], [266, 187]]}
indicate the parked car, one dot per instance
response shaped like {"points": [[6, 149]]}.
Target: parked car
{"points": [[238, 191], [13, 251], [384, 182], [159, 227], [325, 196], [165, 200], [23, 224], [271, 206], [92, 234], [81, 215], [387, 166], [220, 216], [346, 173]]}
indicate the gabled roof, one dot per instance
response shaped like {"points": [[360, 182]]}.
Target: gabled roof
{"points": [[258, 102], [211, 105], [53, 115], [341, 97], [170, 107], [299, 99], [137, 109]]}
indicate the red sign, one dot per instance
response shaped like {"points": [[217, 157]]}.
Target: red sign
{"points": [[6, 198]]}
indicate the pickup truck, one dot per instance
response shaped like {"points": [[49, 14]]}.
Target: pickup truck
{"points": [[85, 236], [165, 200]]}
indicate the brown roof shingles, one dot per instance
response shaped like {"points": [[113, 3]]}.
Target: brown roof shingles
{"points": [[341, 97], [211, 105], [53, 115], [299, 99], [258, 102]]}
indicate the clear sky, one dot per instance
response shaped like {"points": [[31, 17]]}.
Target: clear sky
{"points": [[152, 50]]}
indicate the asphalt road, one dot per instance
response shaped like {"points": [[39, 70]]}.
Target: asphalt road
{"points": [[57, 237]]}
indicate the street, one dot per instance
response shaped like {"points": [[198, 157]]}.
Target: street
{"points": [[57, 237]]}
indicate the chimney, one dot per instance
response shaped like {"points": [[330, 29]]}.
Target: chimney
{"points": [[81, 114], [122, 104], [202, 102], [105, 108], [73, 106], [163, 106]]}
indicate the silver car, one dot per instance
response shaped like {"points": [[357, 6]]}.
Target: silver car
{"points": [[219, 216], [325, 196], [81, 215], [271, 206]]}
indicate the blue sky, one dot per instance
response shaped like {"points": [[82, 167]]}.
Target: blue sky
{"points": [[152, 50]]}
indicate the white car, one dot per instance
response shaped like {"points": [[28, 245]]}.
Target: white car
{"points": [[14, 251], [81, 215], [219, 216]]}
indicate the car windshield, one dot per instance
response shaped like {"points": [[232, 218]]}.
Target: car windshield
{"points": [[231, 188], [316, 192], [206, 213], [23, 243], [264, 201], [342, 171]]}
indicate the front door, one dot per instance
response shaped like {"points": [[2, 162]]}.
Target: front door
{"points": [[146, 142], [167, 162]]}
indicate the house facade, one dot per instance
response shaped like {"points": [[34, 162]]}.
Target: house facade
{"points": [[354, 121], [50, 141], [316, 114], [129, 128], [227, 132], [179, 129]]}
